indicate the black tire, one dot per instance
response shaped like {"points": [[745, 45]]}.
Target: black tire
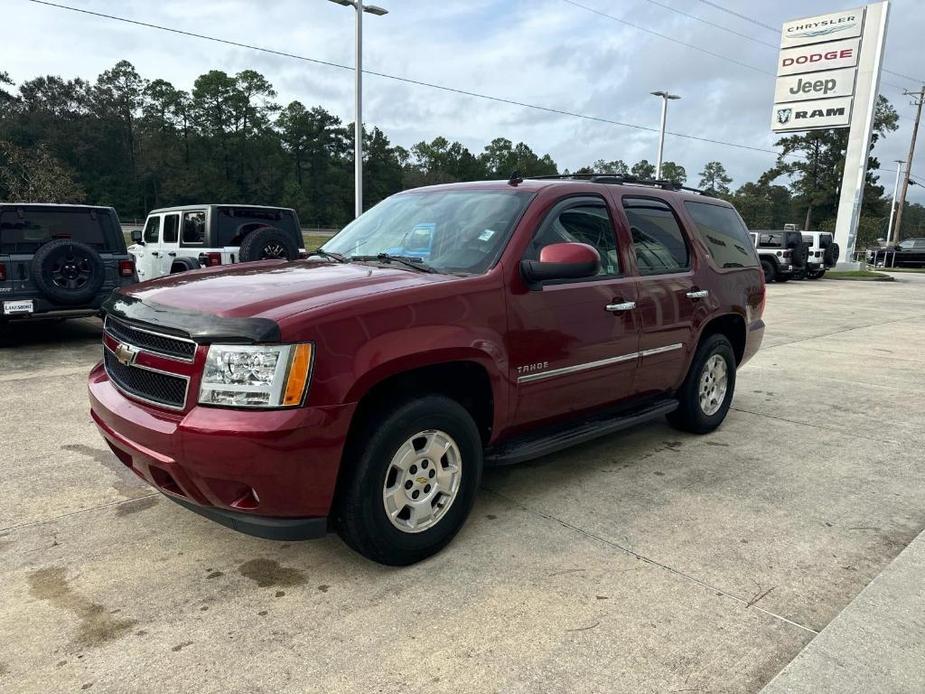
{"points": [[690, 415], [68, 272], [361, 518], [836, 252], [815, 274], [782, 278], [268, 243], [770, 271], [184, 265]]}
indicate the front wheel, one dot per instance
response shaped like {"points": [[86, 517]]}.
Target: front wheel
{"points": [[706, 394], [415, 472]]}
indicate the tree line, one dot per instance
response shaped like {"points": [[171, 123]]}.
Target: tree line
{"points": [[137, 144]]}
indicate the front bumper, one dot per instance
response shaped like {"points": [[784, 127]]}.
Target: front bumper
{"points": [[270, 473]]}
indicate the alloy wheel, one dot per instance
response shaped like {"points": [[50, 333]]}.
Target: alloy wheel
{"points": [[714, 381], [422, 481]]}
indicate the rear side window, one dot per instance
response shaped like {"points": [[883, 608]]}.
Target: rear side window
{"points": [[234, 223], [25, 229], [171, 228], [194, 227], [658, 241], [724, 233]]}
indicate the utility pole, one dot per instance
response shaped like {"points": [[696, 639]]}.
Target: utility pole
{"points": [[665, 96], [889, 229], [917, 102]]}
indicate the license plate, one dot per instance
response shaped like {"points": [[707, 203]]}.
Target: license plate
{"points": [[11, 307]]}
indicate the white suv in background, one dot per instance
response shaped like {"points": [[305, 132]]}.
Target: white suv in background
{"points": [[177, 239], [822, 253]]}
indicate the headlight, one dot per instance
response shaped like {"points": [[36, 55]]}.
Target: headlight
{"points": [[256, 376]]}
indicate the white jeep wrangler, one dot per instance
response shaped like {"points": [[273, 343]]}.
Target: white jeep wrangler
{"points": [[822, 253], [177, 239]]}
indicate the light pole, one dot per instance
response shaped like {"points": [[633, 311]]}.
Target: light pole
{"points": [[889, 230], [358, 125], [665, 96]]}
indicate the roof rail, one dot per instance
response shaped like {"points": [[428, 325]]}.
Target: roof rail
{"points": [[622, 179]]}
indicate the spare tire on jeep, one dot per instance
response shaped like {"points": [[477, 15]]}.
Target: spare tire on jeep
{"points": [[268, 243], [68, 272]]}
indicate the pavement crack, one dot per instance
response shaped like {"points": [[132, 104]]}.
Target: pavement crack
{"points": [[813, 426], [649, 560], [43, 521]]}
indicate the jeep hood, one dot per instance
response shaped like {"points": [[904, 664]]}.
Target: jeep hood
{"points": [[273, 289]]}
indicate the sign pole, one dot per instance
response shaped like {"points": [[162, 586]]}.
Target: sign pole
{"points": [[859, 135]]}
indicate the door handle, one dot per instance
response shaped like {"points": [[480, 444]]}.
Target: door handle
{"points": [[623, 306], [155, 254], [698, 294], [172, 254]]}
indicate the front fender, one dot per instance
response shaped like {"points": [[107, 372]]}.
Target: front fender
{"points": [[405, 350]]}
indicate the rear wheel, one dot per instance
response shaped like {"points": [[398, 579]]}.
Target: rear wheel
{"points": [[416, 470], [770, 272], [706, 394], [268, 243]]}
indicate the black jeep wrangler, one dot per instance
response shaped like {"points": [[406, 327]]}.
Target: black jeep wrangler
{"points": [[60, 261]]}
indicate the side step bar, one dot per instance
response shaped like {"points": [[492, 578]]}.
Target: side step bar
{"points": [[535, 445]]}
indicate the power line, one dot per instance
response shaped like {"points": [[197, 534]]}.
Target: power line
{"points": [[397, 78], [709, 23], [665, 36], [754, 21]]}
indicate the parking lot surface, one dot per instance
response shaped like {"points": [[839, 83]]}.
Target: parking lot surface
{"points": [[648, 561]]}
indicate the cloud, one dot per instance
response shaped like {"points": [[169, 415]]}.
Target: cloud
{"points": [[546, 52]]}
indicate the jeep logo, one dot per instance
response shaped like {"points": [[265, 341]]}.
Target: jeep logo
{"points": [[815, 87], [125, 354]]}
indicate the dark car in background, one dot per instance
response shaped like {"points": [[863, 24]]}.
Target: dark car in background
{"points": [[908, 253], [60, 261]]}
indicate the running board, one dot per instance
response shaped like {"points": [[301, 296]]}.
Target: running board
{"points": [[559, 438]]}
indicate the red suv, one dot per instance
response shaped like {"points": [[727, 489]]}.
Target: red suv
{"points": [[448, 328]]}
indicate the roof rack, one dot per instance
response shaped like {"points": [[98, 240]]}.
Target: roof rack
{"points": [[622, 179]]}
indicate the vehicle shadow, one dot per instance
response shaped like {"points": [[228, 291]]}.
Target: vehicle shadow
{"points": [[37, 333]]}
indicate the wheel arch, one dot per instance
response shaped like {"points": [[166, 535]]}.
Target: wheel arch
{"points": [[733, 326]]}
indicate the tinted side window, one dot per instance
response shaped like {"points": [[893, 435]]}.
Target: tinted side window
{"points": [[152, 226], [586, 223], [658, 241], [234, 223], [171, 225], [194, 227], [725, 234]]}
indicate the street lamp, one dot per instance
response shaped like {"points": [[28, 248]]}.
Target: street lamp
{"points": [[665, 96], [889, 230], [358, 125]]}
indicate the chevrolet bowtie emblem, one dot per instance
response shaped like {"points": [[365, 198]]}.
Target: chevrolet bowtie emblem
{"points": [[125, 354]]}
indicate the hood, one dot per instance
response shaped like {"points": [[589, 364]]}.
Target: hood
{"points": [[276, 289]]}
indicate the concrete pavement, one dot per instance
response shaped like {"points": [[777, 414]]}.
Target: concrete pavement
{"points": [[651, 561]]}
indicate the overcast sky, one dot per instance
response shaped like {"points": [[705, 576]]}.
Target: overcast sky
{"points": [[545, 52]]}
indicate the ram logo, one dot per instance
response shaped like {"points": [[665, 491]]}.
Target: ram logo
{"points": [[783, 115]]}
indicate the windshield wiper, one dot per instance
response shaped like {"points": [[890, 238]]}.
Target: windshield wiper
{"points": [[329, 255], [413, 263]]}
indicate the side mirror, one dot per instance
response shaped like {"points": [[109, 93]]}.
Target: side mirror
{"points": [[560, 261], [137, 237]]}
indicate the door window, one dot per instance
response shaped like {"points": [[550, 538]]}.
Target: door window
{"points": [[152, 227], [725, 234], [194, 228], [583, 223], [171, 225], [658, 241]]}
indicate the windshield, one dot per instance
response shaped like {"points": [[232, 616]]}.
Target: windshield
{"points": [[461, 231]]}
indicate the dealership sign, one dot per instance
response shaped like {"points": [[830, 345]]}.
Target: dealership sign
{"points": [[827, 56], [815, 85], [816, 71], [825, 27]]}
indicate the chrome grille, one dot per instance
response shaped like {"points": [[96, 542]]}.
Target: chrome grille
{"points": [[156, 387], [158, 343]]}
